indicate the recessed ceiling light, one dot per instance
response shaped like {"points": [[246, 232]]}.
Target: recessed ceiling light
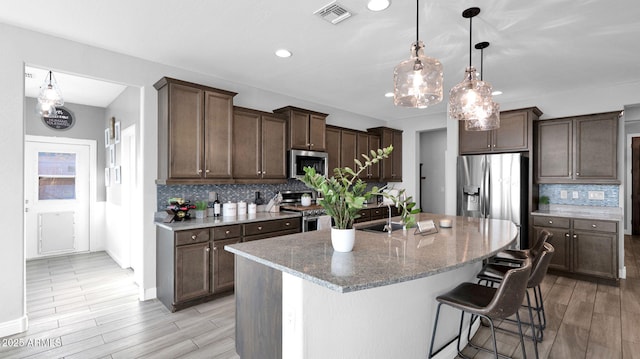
{"points": [[378, 5], [496, 93], [388, 94], [283, 53]]}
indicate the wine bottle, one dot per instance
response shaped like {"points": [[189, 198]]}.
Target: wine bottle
{"points": [[216, 207]]}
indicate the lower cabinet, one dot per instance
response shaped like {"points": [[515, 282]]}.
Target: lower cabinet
{"points": [[193, 267], [371, 214], [582, 246]]}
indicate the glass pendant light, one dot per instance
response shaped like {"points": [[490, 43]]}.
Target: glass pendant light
{"points": [[50, 96], [418, 80], [471, 99], [493, 121]]}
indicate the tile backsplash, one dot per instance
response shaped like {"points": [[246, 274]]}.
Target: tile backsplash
{"points": [[229, 192], [555, 191]]}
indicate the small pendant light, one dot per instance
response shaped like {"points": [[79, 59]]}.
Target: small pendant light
{"points": [[418, 80], [50, 96], [471, 99], [493, 121]]}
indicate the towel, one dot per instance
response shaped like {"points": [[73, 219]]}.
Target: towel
{"points": [[324, 222]]}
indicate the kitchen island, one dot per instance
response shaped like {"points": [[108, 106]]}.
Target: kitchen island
{"points": [[297, 298]]}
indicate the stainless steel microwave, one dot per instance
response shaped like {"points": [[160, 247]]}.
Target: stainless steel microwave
{"points": [[299, 159]]}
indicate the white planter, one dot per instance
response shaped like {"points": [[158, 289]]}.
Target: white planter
{"points": [[306, 201], [343, 239], [200, 213]]}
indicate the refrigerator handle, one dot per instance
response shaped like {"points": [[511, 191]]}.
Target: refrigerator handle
{"points": [[487, 190]]}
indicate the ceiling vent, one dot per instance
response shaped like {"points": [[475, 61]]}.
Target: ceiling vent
{"points": [[333, 13]]}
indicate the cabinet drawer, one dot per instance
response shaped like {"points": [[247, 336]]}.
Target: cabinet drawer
{"points": [[377, 213], [193, 236], [225, 232], [251, 229], [594, 225], [553, 222], [365, 215]]}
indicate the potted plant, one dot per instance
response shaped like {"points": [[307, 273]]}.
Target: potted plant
{"points": [[201, 209], [543, 203], [344, 194]]}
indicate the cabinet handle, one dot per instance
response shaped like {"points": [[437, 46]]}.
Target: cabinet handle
{"points": [[207, 171], [259, 172], [577, 173], [566, 235], [575, 236], [199, 171], [227, 232], [494, 145], [193, 237], [215, 248], [208, 249], [264, 172], [259, 228], [287, 224], [550, 222], [488, 146], [594, 226]]}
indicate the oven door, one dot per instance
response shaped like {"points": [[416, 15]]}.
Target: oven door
{"points": [[309, 223]]}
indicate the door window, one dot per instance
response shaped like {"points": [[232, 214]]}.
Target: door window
{"points": [[56, 176]]}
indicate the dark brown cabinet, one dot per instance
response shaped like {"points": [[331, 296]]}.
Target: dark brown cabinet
{"points": [[348, 149], [582, 149], [306, 128], [367, 143], [513, 135], [582, 246], [391, 168], [192, 271], [194, 133], [267, 229], [333, 148], [259, 146], [223, 265]]}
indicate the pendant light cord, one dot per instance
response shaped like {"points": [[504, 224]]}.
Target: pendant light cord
{"points": [[481, 63], [417, 19], [470, 34]]}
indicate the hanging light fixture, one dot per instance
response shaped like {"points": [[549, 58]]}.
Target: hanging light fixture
{"points": [[470, 99], [418, 80], [50, 96], [493, 121]]}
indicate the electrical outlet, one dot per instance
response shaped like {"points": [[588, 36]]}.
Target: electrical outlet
{"points": [[576, 195], [563, 194], [597, 195]]}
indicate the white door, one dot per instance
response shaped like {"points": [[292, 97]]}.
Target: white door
{"points": [[56, 198]]}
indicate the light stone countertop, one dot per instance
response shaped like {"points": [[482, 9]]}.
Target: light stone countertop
{"points": [[196, 223], [582, 212], [378, 259]]}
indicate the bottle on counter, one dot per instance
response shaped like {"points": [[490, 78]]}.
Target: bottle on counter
{"points": [[216, 207]]}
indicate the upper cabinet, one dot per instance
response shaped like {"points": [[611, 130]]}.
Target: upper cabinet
{"points": [[333, 148], [306, 128], [392, 166], [581, 149], [513, 135], [368, 142], [194, 133], [259, 147]]}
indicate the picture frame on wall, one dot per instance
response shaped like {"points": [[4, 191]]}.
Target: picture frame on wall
{"points": [[107, 138], [107, 176], [118, 175], [112, 155], [116, 134]]}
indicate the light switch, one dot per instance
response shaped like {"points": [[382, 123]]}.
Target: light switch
{"points": [[575, 195], [597, 195], [563, 194]]}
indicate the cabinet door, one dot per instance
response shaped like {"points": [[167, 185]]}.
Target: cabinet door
{"points": [[218, 117], [192, 271], [348, 150], [473, 141], [594, 253], [246, 144], [185, 131], [223, 264], [561, 242], [317, 125], [554, 151], [362, 147], [387, 166], [596, 148], [396, 155], [374, 145], [333, 148], [513, 133], [274, 147], [299, 130]]}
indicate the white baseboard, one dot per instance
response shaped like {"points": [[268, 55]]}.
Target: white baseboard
{"points": [[116, 259], [15, 326], [622, 272], [451, 350], [148, 294]]}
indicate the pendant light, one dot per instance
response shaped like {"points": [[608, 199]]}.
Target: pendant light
{"points": [[470, 99], [493, 121], [418, 80], [50, 96]]}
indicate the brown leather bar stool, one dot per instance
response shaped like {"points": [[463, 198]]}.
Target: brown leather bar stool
{"points": [[489, 303], [493, 274], [517, 255]]}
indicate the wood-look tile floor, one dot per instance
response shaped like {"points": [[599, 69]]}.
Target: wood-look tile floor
{"points": [[86, 306]]}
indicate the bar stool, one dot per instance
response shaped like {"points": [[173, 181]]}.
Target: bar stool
{"points": [[517, 255], [494, 273], [489, 303]]}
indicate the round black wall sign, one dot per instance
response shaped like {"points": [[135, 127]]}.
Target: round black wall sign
{"points": [[62, 120]]}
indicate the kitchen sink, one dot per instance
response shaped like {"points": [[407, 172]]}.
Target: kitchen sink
{"points": [[379, 227]]}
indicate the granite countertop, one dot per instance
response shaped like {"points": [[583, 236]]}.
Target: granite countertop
{"points": [[196, 223], [379, 259], [582, 212]]}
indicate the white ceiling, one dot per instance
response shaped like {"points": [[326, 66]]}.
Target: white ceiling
{"points": [[537, 47]]}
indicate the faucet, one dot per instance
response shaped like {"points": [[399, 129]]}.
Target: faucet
{"points": [[388, 227]]}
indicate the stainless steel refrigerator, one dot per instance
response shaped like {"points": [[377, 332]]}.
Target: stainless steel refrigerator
{"points": [[495, 186]]}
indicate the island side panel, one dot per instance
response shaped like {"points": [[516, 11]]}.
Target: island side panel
{"points": [[258, 291], [393, 321], [165, 267]]}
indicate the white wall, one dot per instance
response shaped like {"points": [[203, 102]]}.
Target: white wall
{"points": [[433, 145], [22, 47]]}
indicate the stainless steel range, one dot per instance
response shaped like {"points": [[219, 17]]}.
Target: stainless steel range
{"points": [[292, 202]]}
